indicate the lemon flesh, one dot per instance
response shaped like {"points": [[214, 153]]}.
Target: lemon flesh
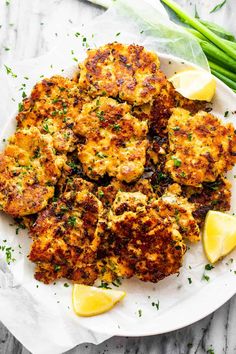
{"points": [[90, 301], [219, 235], [194, 84]]}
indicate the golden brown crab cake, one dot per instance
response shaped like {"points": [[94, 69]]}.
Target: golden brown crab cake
{"points": [[180, 210], [66, 236], [142, 243], [52, 107], [211, 196], [29, 169], [201, 147], [115, 141], [128, 72]]}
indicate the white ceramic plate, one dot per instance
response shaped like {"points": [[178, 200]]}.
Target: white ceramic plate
{"points": [[180, 303]]}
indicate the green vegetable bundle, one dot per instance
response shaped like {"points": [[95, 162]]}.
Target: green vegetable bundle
{"points": [[218, 45]]}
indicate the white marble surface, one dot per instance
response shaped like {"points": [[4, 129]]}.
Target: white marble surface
{"points": [[31, 28]]}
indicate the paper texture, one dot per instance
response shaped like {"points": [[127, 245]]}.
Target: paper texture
{"points": [[39, 315]]}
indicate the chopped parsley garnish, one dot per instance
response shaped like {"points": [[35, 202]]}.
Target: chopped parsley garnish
{"points": [[117, 34], [190, 136], [116, 127], [8, 253], [156, 304], [139, 313], [100, 193], [209, 267], [66, 285], [100, 115], [226, 114], [20, 107], [205, 277], [101, 155], [36, 153], [104, 285], [9, 71], [72, 220], [116, 282], [190, 280], [176, 128], [45, 127], [57, 268], [177, 162]]}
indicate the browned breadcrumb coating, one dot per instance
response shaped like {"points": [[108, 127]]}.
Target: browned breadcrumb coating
{"points": [[211, 196], [115, 141], [173, 205], [107, 194], [29, 169], [66, 236], [52, 107], [142, 243], [158, 111], [128, 72], [201, 147]]}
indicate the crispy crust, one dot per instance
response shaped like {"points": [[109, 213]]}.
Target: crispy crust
{"points": [[201, 147], [52, 107], [66, 236], [29, 169], [141, 243], [115, 141], [127, 72]]}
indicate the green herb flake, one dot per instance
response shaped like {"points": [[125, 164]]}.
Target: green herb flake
{"points": [[209, 267], [104, 285], [100, 193], [176, 128], [177, 162], [190, 136], [189, 280], [139, 313], [57, 267], [116, 127], [117, 282], [45, 127], [226, 114], [117, 34], [205, 277], [210, 351], [100, 115], [66, 285], [20, 107], [101, 155], [218, 7], [156, 304], [72, 221]]}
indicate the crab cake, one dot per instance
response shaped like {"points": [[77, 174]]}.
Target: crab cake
{"points": [[142, 243], [29, 169], [66, 236], [52, 107], [172, 205], [201, 147], [128, 72], [115, 141]]}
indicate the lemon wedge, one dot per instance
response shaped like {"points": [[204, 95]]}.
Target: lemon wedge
{"points": [[194, 84], [219, 235], [90, 301]]}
